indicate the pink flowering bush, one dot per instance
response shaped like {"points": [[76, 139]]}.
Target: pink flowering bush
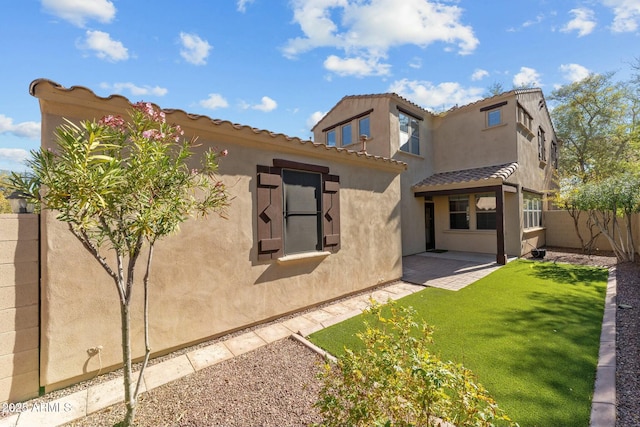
{"points": [[121, 185]]}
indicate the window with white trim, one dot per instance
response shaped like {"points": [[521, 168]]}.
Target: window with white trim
{"points": [[532, 210], [409, 134]]}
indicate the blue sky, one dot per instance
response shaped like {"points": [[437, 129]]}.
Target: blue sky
{"points": [[281, 64]]}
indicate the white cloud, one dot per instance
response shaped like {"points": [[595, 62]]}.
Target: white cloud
{"points": [[78, 12], [479, 74], [583, 22], [215, 100], [627, 15], [194, 49], [104, 47], [367, 30], [416, 62], [17, 155], [574, 72], [314, 119], [267, 104], [436, 97], [29, 130], [527, 77], [358, 67], [242, 5], [538, 19], [134, 89]]}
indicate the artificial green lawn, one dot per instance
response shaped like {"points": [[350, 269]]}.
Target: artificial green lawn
{"points": [[530, 331]]}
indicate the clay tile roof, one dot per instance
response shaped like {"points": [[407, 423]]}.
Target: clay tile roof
{"points": [[476, 175], [279, 138]]}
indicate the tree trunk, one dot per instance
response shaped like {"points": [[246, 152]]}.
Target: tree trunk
{"points": [[129, 398]]}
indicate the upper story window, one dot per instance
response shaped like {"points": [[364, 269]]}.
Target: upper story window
{"points": [[459, 212], [331, 138], [524, 118], [409, 133], [364, 127], [542, 149], [298, 209], [346, 135], [493, 114], [494, 117], [554, 153], [342, 133]]}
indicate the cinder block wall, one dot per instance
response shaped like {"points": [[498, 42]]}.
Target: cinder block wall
{"points": [[561, 231], [19, 307]]}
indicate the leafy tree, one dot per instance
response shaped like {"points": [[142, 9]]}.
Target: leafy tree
{"points": [[592, 121], [610, 204], [596, 122], [396, 382], [121, 186], [5, 206]]}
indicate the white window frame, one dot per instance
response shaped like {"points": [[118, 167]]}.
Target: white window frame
{"points": [[532, 210], [409, 139]]}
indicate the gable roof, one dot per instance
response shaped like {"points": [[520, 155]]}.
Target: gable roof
{"points": [[390, 95], [80, 95], [474, 177]]}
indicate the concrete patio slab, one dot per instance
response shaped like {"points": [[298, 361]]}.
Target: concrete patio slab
{"points": [[209, 355], [169, 370], [244, 343], [450, 270]]}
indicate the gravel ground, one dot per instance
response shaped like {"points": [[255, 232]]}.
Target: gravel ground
{"points": [[276, 385]]}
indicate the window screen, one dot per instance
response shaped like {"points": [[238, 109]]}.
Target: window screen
{"points": [[302, 211]]}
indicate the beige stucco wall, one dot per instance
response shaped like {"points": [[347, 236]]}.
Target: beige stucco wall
{"points": [[207, 280], [19, 315], [561, 231], [385, 141], [463, 141]]}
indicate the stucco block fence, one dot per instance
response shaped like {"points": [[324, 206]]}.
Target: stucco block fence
{"points": [[19, 307], [22, 356], [560, 231]]}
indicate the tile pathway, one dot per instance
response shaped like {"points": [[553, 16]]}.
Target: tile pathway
{"points": [[423, 269]]}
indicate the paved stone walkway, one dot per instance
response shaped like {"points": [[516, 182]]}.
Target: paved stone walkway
{"points": [[447, 270], [451, 271]]}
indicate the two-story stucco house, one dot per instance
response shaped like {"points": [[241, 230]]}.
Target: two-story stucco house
{"points": [[477, 175]]}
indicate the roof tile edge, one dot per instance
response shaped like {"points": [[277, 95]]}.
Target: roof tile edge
{"points": [[282, 137]]}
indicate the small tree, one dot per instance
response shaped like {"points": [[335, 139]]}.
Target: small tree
{"points": [[610, 204], [394, 381], [119, 185]]}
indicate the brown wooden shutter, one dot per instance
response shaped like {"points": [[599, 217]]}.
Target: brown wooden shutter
{"points": [[269, 209], [331, 212]]}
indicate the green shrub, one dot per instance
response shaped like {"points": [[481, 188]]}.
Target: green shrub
{"points": [[5, 206], [395, 380]]}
